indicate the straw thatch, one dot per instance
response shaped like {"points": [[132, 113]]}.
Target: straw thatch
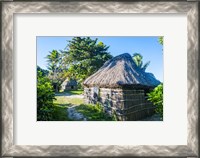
{"points": [[121, 87], [69, 84], [121, 71]]}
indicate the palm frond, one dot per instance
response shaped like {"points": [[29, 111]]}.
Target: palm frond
{"points": [[144, 67]]}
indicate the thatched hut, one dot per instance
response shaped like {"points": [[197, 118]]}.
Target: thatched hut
{"points": [[69, 84], [122, 86]]}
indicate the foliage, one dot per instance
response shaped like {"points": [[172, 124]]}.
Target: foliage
{"points": [[84, 56], [56, 69], [137, 58], [53, 59], [160, 40], [60, 113], [45, 96], [80, 85], [156, 97], [43, 71], [94, 112]]}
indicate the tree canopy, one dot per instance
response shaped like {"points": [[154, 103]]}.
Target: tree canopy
{"points": [[137, 58], [84, 56], [56, 69], [160, 40], [43, 71]]}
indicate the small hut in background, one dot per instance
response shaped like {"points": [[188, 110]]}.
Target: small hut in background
{"points": [[122, 86], [69, 84]]}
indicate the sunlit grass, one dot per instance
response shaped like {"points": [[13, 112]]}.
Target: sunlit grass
{"points": [[61, 104], [63, 100], [73, 92]]}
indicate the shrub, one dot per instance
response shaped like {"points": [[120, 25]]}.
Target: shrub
{"points": [[45, 96], [156, 97]]}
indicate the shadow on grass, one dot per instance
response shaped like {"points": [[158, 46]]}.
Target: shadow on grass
{"points": [[60, 112], [62, 105], [62, 94]]}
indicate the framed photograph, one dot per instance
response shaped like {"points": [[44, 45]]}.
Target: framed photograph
{"points": [[92, 79]]}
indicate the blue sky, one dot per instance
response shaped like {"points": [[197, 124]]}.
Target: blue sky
{"points": [[148, 47]]}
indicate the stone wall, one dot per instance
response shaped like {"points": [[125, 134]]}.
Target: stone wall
{"points": [[125, 103]]}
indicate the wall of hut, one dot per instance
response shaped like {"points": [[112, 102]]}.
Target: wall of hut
{"points": [[127, 104], [71, 87]]}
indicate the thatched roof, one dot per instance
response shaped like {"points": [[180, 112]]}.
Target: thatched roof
{"points": [[121, 71], [69, 82]]}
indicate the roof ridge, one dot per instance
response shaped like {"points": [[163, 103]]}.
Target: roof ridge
{"points": [[112, 73]]}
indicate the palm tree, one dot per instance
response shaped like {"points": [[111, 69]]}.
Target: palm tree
{"points": [[54, 67], [137, 58], [160, 40]]}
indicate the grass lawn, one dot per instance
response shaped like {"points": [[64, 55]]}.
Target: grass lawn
{"points": [[73, 92], [60, 113], [63, 100], [93, 112], [61, 104]]}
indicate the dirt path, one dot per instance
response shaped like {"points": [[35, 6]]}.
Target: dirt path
{"points": [[74, 115]]}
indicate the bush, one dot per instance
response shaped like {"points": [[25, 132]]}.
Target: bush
{"points": [[45, 96], [156, 97]]}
